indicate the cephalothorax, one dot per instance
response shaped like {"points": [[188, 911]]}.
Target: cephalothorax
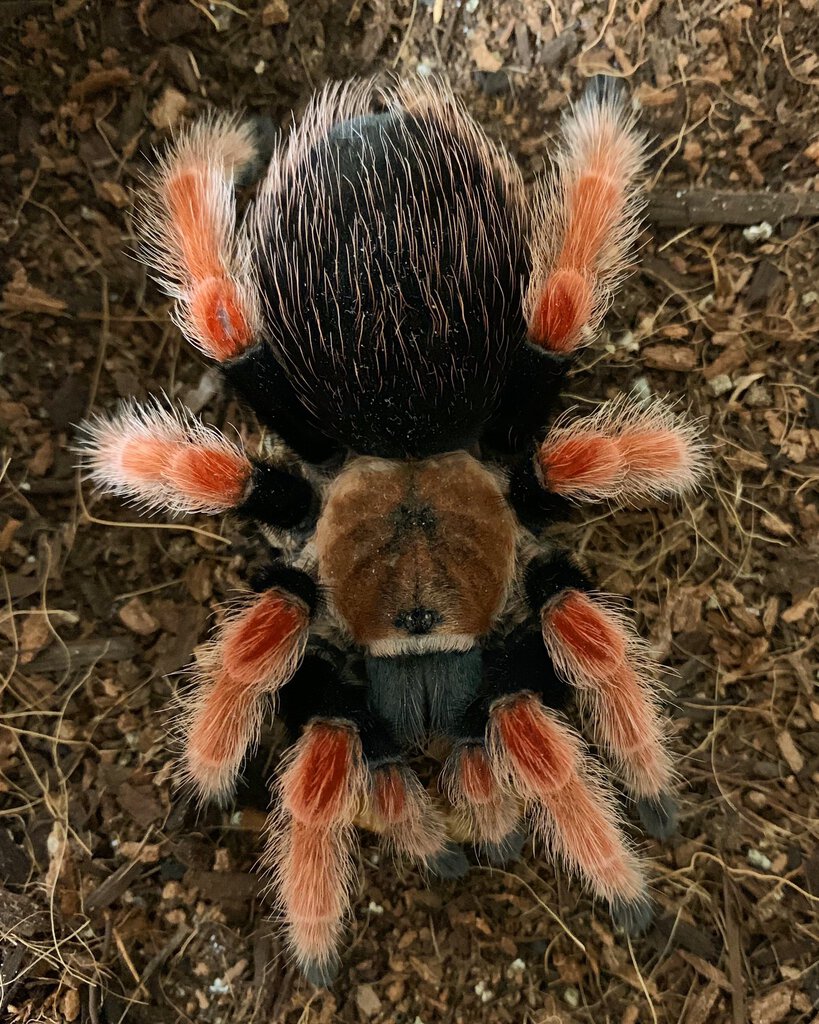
{"points": [[401, 316]]}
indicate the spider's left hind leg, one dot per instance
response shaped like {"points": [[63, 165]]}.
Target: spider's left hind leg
{"points": [[204, 259], [188, 228]]}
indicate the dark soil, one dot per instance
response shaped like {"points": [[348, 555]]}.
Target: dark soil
{"points": [[119, 903]]}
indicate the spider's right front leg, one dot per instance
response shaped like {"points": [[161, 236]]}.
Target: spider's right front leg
{"points": [[345, 768]]}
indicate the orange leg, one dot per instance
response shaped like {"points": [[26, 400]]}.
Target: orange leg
{"points": [[473, 789], [164, 457], [188, 229], [404, 813], [586, 224], [256, 652], [312, 840], [625, 451], [599, 653], [543, 762]]}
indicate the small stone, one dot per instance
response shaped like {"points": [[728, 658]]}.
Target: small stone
{"points": [[484, 993], [571, 997], [757, 859], [168, 109], [137, 618], [758, 232], [374, 908], [627, 342], [367, 1000], [720, 384]]}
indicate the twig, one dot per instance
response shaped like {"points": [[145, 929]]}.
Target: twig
{"points": [[685, 207]]}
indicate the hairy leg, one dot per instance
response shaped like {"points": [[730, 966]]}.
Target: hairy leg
{"points": [[585, 223], [346, 767], [254, 654], [162, 456], [596, 649]]}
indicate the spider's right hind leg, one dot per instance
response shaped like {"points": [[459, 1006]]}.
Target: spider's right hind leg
{"points": [[188, 229], [586, 222], [204, 259]]}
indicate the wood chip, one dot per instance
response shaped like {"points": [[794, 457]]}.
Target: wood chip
{"points": [[276, 12], [799, 609], [21, 297], [790, 752], [367, 1000], [702, 1004], [137, 618], [681, 358], [771, 1007], [35, 635], [484, 58], [99, 81]]}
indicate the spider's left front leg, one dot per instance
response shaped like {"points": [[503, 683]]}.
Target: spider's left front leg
{"points": [[513, 743], [161, 456]]}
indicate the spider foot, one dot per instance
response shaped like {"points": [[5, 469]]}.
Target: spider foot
{"points": [[506, 851], [659, 815], [321, 973], [451, 862], [633, 918]]}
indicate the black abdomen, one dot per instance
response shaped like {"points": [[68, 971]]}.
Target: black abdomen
{"points": [[392, 259]]}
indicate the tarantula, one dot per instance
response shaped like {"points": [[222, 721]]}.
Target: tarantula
{"points": [[401, 318]]}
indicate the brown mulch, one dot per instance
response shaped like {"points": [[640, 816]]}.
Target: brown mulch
{"points": [[119, 902]]}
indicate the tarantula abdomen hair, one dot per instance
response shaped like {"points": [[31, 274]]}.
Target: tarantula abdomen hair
{"points": [[407, 291]]}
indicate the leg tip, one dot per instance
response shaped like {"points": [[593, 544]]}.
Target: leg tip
{"points": [[659, 815], [450, 863], [634, 918], [506, 851], [321, 973]]}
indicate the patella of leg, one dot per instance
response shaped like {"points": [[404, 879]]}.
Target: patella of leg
{"points": [[597, 650], [396, 806], [512, 663], [255, 652], [163, 457], [310, 851], [404, 814], [188, 227], [626, 451], [490, 811], [544, 762], [586, 222]]}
